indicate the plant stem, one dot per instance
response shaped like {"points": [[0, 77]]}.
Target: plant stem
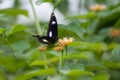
{"points": [[66, 50], [61, 60], [46, 66], [45, 59], [36, 20]]}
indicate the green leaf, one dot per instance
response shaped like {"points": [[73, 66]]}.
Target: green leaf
{"points": [[38, 1], [117, 24], [77, 73], [112, 64], [3, 76], [47, 0], [88, 15], [33, 54], [67, 33], [41, 1], [111, 46], [116, 54], [76, 56], [94, 65], [73, 65], [54, 1], [12, 64], [14, 12], [103, 14], [38, 63], [1, 51], [89, 46], [101, 77], [82, 45], [34, 73], [1, 30], [98, 47], [20, 46], [17, 28]]}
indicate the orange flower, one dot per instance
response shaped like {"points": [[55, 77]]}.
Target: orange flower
{"points": [[65, 41], [42, 48], [98, 7], [59, 48], [115, 32]]}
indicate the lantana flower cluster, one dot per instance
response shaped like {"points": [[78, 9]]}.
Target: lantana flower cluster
{"points": [[62, 43], [98, 7]]}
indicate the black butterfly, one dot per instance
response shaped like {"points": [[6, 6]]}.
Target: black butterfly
{"points": [[52, 32]]}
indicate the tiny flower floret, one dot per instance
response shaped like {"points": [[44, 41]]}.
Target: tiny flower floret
{"points": [[42, 48], [59, 48], [115, 32]]}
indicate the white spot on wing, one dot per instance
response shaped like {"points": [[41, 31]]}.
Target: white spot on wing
{"points": [[53, 22], [44, 40], [50, 34]]}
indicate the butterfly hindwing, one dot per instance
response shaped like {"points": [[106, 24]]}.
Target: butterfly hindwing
{"points": [[46, 39]]}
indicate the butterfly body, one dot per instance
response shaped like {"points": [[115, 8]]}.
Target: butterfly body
{"points": [[52, 32]]}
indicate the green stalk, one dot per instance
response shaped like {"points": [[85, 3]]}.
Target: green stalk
{"points": [[45, 59], [46, 66], [61, 60], [66, 50], [36, 20]]}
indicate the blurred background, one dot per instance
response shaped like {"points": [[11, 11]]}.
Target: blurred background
{"points": [[93, 55]]}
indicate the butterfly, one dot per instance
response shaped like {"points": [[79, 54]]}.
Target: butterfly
{"points": [[52, 32]]}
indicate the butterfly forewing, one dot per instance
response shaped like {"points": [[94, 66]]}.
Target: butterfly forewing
{"points": [[52, 27]]}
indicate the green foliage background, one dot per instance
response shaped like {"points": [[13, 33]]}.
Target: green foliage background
{"points": [[93, 55]]}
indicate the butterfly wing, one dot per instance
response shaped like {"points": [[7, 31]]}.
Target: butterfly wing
{"points": [[52, 27], [52, 32]]}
